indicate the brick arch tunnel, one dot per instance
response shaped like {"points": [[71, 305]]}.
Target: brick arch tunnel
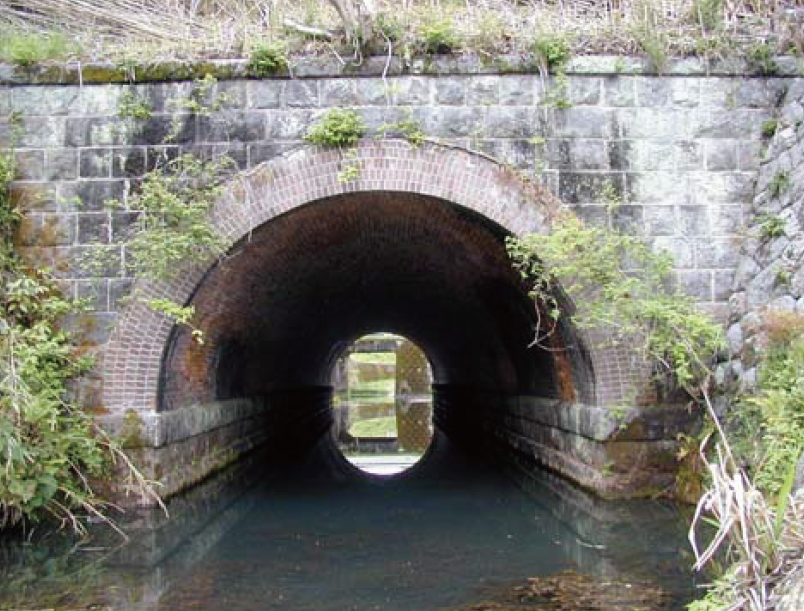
{"points": [[415, 245], [291, 295]]}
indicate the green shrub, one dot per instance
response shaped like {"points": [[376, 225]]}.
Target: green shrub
{"points": [[769, 127], [49, 448], [338, 127], [771, 226], [760, 59], [597, 267], [27, 49], [707, 13], [440, 36], [551, 51], [267, 59], [172, 228], [779, 183]]}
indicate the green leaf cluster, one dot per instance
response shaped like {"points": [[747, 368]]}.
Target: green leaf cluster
{"points": [[172, 228], [48, 449], [267, 59], [338, 127], [619, 284], [780, 409]]}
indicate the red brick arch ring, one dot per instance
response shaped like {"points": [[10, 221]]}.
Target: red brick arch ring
{"points": [[434, 184]]}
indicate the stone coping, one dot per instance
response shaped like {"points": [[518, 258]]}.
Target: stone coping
{"points": [[158, 429], [76, 73]]}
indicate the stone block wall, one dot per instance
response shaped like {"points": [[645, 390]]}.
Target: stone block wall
{"points": [[673, 157], [681, 151], [770, 274]]}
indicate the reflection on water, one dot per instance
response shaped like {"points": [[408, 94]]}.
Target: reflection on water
{"points": [[450, 534]]}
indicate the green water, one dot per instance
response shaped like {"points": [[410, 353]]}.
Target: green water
{"points": [[315, 535]]}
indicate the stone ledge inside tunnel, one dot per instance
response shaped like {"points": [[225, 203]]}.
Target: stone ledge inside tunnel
{"points": [[617, 453]]}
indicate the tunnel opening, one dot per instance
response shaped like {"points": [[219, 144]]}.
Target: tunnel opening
{"points": [[382, 404], [275, 312]]}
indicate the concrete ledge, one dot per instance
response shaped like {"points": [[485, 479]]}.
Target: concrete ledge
{"points": [[75, 73]]}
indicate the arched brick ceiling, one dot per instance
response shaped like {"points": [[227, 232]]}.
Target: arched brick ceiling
{"points": [[293, 293]]}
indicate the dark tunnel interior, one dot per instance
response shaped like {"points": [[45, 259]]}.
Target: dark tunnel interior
{"points": [[287, 300]]}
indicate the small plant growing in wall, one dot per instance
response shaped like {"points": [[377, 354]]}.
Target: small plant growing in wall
{"points": [[771, 226], [769, 127], [779, 183], [133, 106], [338, 127], [267, 59], [551, 52]]}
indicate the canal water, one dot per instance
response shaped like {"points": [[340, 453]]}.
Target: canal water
{"points": [[318, 535]]}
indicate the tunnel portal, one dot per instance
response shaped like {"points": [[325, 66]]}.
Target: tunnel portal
{"points": [[293, 294], [415, 246]]}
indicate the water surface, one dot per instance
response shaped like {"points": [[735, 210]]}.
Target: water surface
{"points": [[316, 535]]}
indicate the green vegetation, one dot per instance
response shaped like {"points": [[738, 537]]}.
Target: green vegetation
{"points": [[708, 13], [338, 127], [769, 127], [760, 58], [127, 33], [28, 49], [50, 450], [551, 51], [172, 228], [622, 286], [132, 106], [439, 36], [374, 427], [771, 226], [375, 358], [779, 183], [408, 127], [267, 59]]}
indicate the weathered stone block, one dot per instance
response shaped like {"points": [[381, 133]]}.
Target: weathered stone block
{"points": [[230, 126], [585, 91], [338, 92], [576, 154], [482, 91], [265, 93], [94, 228], [651, 155], [619, 91], [518, 90], [265, 151], [457, 121], [717, 253], [94, 292], [289, 124], [660, 220], [119, 290], [236, 151], [582, 188], [61, 164], [178, 129], [681, 249], [696, 283], [688, 155], [92, 194], [653, 91], [36, 132], [412, 91], [97, 131], [30, 165], [582, 122], [721, 155], [128, 162], [301, 94], [96, 163]]}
